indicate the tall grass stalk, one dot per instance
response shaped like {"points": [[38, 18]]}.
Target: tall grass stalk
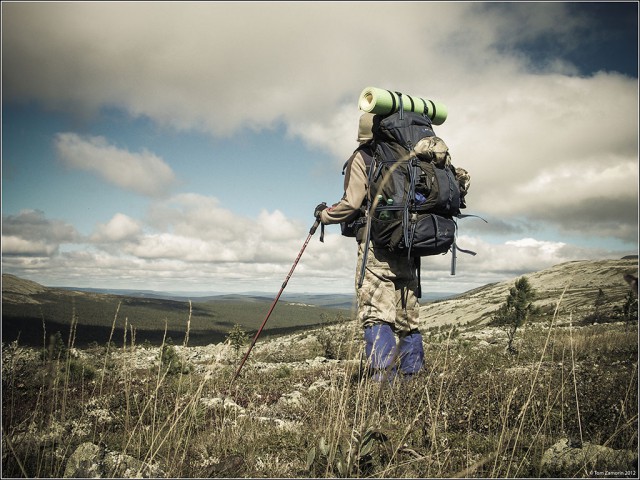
{"points": [[126, 379], [534, 379], [107, 349], [70, 346], [575, 381]]}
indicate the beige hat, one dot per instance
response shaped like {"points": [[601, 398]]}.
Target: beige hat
{"points": [[364, 127]]}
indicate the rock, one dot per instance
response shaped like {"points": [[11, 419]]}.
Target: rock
{"points": [[565, 460], [278, 422], [320, 384], [224, 403], [229, 466], [94, 461], [294, 398]]}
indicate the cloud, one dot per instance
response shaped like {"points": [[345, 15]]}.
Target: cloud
{"points": [[185, 241], [143, 173], [217, 66], [30, 234], [193, 251], [12, 245], [536, 137], [328, 267], [120, 228], [199, 229], [547, 146]]}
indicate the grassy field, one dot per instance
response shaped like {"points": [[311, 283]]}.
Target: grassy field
{"points": [[475, 411], [302, 406]]}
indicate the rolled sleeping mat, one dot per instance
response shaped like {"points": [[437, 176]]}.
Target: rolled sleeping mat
{"points": [[379, 100]]}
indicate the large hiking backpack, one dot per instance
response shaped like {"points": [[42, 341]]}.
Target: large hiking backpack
{"points": [[415, 193]]}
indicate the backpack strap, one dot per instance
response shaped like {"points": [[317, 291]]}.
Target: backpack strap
{"points": [[365, 254], [352, 228], [419, 287], [367, 156], [455, 248]]}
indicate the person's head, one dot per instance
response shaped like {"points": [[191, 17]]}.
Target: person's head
{"points": [[365, 125]]}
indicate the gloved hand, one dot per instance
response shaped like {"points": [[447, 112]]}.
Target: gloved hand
{"points": [[319, 209]]}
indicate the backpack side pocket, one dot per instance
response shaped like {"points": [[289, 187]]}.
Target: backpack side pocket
{"points": [[433, 235]]}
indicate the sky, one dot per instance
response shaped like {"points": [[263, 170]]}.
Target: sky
{"points": [[183, 146]]}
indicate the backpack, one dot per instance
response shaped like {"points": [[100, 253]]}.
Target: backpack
{"points": [[415, 193], [413, 196]]}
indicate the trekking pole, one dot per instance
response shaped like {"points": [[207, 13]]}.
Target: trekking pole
{"points": [[284, 284]]}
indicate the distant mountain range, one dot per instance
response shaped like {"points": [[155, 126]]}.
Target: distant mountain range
{"points": [[30, 310], [329, 300], [325, 300]]}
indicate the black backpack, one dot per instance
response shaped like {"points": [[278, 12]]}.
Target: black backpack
{"points": [[415, 194]]}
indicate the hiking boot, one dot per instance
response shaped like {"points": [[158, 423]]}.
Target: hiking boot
{"points": [[380, 349], [411, 353]]}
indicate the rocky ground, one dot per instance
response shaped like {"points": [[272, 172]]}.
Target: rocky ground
{"points": [[308, 367]]}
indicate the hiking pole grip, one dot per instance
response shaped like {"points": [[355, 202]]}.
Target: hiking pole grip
{"points": [[316, 224]]}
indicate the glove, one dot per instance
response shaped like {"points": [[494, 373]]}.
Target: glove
{"points": [[319, 209]]}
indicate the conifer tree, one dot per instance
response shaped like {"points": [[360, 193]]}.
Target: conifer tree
{"points": [[515, 310], [237, 337], [601, 300]]}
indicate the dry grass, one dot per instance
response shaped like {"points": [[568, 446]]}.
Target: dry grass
{"points": [[473, 412]]}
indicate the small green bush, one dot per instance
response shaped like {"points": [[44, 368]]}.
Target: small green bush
{"points": [[238, 338], [171, 361]]}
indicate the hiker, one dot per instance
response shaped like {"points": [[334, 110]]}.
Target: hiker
{"points": [[388, 305]]}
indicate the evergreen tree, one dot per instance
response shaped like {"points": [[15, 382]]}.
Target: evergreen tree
{"points": [[515, 310], [630, 308], [237, 338], [601, 300]]}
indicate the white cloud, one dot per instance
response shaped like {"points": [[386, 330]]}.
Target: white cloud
{"points": [[561, 187], [12, 245], [215, 66], [31, 234], [121, 227], [197, 216], [143, 172], [259, 258], [185, 249], [544, 146], [169, 263], [275, 226]]}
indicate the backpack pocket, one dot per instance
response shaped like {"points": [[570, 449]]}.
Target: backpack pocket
{"points": [[436, 189], [387, 232], [433, 235]]}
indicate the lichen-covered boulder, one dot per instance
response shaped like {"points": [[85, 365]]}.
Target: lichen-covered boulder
{"points": [[565, 459], [95, 461]]}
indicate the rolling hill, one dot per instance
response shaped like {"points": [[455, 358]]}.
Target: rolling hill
{"points": [[28, 306], [32, 311], [581, 279]]}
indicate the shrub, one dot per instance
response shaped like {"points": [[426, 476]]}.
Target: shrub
{"points": [[56, 349], [238, 338], [78, 370], [171, 360]]}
